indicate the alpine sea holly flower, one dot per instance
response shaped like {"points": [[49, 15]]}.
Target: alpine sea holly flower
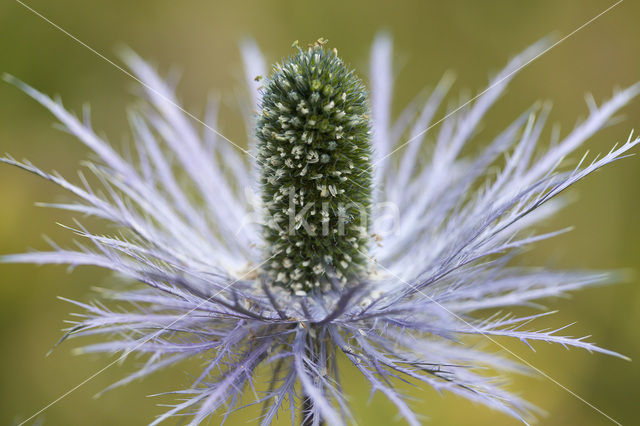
{"points": [[314, 278]]}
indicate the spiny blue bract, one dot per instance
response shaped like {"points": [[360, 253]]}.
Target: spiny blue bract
{"points": [[314, 153]]}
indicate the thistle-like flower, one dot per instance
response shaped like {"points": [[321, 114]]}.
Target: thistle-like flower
{"points": [[320, 274]]}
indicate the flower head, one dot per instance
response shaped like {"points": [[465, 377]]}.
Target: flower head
{"points": [[295, 290], [314, 153]]}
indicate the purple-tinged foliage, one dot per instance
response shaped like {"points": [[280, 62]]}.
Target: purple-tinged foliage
{"points": [[185, 212]]}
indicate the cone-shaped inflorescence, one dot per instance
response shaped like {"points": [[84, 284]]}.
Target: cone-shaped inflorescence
{"points": [[314, 153]]}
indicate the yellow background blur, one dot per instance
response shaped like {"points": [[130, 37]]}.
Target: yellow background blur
{"points": [[200, 38]]}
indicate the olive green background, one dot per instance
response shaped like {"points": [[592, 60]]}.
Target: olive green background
{"points": [[200, 38]]}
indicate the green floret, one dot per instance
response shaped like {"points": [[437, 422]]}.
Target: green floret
{"points": [[314, 152]]}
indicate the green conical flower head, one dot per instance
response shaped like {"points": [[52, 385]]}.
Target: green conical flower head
{"points": [[314, 152]]}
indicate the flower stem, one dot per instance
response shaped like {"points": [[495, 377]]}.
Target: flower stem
{"points": [[306, 410]]}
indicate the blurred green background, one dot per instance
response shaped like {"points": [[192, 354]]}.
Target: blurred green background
{"points": [[201, 39]]}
